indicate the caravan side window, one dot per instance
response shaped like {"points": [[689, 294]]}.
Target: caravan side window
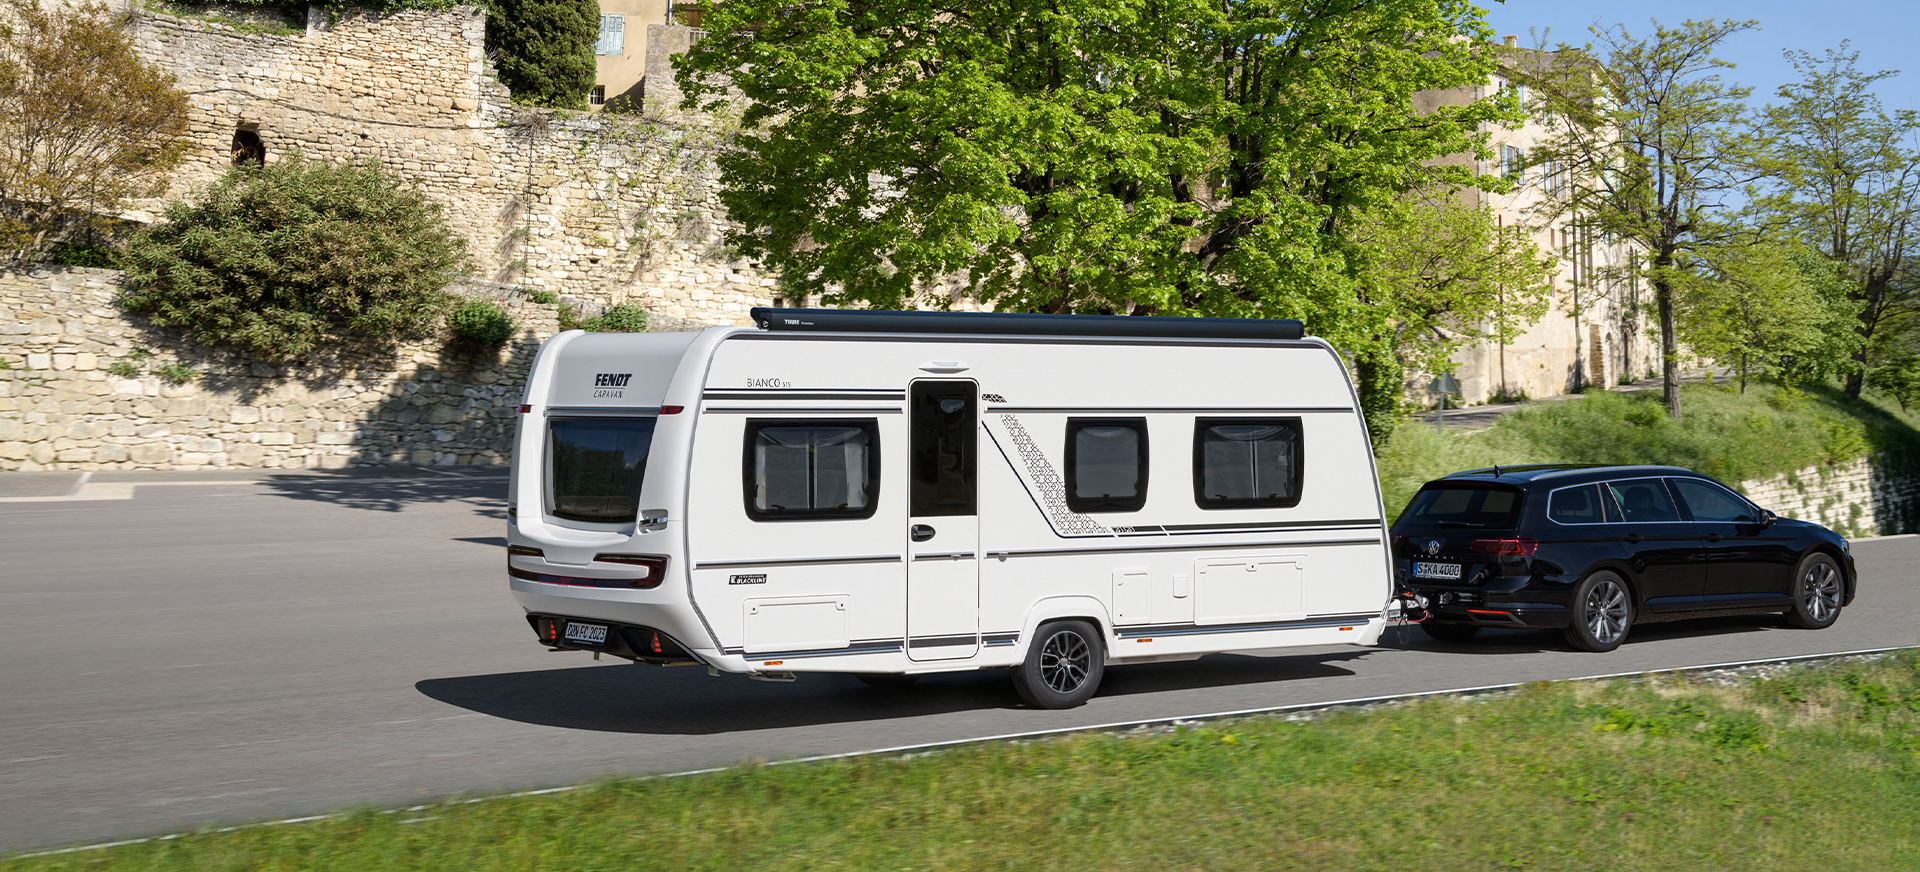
{"points": [[1106, 464], [1247, 463], [798, 470]]}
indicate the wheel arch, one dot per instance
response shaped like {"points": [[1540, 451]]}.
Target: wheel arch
{"points": [[1067, 608]]}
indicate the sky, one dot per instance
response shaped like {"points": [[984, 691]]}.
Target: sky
{"points": [[1886, 33]]}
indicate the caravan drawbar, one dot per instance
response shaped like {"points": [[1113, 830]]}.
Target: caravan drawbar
{"points": [[890, 494]]}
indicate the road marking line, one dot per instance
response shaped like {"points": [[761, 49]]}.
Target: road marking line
{"points": [[1007, 737], [95, 491]]}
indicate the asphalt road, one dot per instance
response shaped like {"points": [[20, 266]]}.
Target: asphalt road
{"points": [[207, 649]]}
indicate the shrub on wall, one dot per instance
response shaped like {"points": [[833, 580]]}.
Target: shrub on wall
{"points": [[482, 322], [544, 49], [281, 258], [622, 318]]}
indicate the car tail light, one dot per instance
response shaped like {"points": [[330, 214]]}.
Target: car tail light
{"points": [[1523, 547]]}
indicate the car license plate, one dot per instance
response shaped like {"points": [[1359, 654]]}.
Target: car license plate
{"points": [[586, 634], [1430, 570]]}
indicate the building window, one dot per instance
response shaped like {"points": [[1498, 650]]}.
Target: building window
{"points": [[1247, 463], [613, 35], [1106, 464], [803, 470], [598, 96], [1510, 163]]}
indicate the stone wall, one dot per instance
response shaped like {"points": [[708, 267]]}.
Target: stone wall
{"points": [[85, 386], [601, 208], [1867, 497]]}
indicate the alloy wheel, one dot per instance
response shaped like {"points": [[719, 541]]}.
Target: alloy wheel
{"points": [[1606, 612], [1064, 661], [1820, 591]]}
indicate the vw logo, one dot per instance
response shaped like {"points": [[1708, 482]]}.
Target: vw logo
{"points": [[1433, 546]]}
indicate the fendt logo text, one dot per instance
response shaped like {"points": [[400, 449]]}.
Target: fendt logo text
{"points": [[610, 384]]}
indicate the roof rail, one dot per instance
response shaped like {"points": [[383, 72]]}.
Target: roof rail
{"points": [[882, 321]]}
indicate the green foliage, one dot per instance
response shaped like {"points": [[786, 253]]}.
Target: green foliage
{"points": [[83, 255], [1768, 309], [482, 322], [1163, 157], [177, 373], [125, 369], [544, 49], [620, 318], [1896, 370], [281, 258], [86, 124]]}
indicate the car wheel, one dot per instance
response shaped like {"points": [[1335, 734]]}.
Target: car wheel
{"points": [[1602, 613], [886, 680], [1063, 668], [1818, 588], [1448, 632]]}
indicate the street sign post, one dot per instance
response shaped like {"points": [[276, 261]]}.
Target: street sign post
{"points": [[1442, 384]]}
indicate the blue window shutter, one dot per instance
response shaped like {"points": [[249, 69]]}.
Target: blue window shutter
{"points": [[613, 35]]}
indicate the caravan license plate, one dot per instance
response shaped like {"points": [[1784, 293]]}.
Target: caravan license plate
{"points": [[586, 634], [1425, 570]]}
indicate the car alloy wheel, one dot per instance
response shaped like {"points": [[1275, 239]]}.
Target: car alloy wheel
{"points": [[1606, 612], [1063, 668], [1064, 661], [1818, 589]]}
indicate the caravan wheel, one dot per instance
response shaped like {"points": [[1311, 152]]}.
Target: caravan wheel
{"points": [[1063, 667]]}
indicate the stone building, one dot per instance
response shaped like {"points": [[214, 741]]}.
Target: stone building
{"points": [[1600, 326]]}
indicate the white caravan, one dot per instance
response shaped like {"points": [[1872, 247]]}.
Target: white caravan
{"points": [[897, 493]]}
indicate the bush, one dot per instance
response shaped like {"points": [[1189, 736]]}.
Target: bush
{"points": [[545, 49], [623, 318], [482, 322], [279, 259], [82, 255]]}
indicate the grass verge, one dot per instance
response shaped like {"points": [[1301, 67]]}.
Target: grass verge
{"points": [[1731, 436], [1806, 767]]}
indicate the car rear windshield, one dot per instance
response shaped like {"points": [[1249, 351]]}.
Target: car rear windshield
{"points": [[598, 465], [1464, 505]]}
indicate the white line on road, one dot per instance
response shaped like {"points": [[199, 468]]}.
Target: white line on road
{"points": [[94, 491], [1009, 737]]}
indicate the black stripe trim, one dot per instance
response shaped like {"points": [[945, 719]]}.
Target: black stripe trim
{"points": [[805, 410], [1348, 524], [999, 638], [984, 339], [946, 555], [815, 561], [1149, 410], [858, 646], [851, 394], [1192, 629], [943, 641], [1119, 549]]}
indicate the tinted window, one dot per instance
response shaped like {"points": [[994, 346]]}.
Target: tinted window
{"points": [[1644, 500], [798, 470], [945, 437], [597, 467], [1576, 505], [1464, 505], [1711, 502], [1106, 464], [1246, 463]]}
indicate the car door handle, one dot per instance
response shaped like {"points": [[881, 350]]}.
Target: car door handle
{"points": [[920, 533], [1631, 538], [1714, 537]]}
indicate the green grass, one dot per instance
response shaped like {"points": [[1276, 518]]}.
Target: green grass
{"points": [[1723, 433], [1815, 767]]}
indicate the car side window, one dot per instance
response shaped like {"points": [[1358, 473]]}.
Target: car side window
{"points": [[1711, 502], [1644, 500], [1576, 505]]}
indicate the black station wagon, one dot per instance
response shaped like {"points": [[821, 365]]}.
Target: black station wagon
{"points": [[1594, 550]]}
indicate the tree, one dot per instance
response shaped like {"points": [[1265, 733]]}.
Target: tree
{"points": [[280, 258], [85, 124], [1844, 177], [1166, 157], [1451, 277], [1897, 371], [544, 49], [1766, 308], [1645, 132]]}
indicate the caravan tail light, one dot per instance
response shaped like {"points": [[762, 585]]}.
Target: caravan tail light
{"points": [[654, 569], [524, 551], [1522, 547], [672, 410]]}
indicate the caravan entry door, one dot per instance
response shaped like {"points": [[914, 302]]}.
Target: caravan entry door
{"points": [[943, 523]]}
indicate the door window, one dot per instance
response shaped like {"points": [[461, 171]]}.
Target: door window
{"points": [[800, 470], [1246, 463], [1106, 464], [1644, 500], [1711, 502], [945, 440], [1576, 505]]}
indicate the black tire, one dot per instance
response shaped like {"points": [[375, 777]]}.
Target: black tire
{"points": [[1602, 613], [886, 680], [1445, 632], [1818, 588], [1064, 666]]}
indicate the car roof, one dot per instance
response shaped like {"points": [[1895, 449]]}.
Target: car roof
{"points": [[1562, 473]]}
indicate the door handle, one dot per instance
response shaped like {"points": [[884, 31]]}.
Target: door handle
{"points": [[1631, 538], [1714, 537], [920, 533]]}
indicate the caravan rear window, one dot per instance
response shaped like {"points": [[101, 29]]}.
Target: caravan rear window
{"points": [[598, 465], [802, 470]]}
